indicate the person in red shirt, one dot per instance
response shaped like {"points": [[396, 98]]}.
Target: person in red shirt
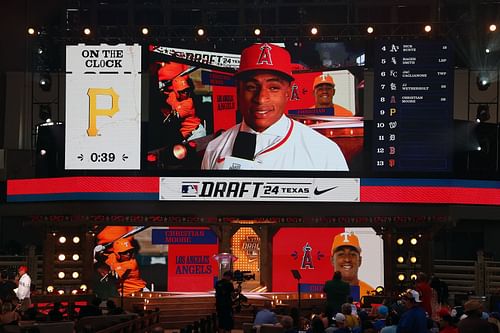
{"points": [[124, 265], [424, 288]]}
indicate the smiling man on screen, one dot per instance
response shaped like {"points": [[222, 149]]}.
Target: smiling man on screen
{"points": [[267, 139], [346, 258]]}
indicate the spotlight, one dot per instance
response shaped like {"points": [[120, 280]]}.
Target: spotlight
{"points": [[76, 239], [62, 239], [401, 259], [43, 152], [200, 32], [60, 292], [76, 257], [370, 30], [413, 277], [50, 289], [145, 31], [401, 277], [493, 27], [45, 81], [44, 112], [74, 292], [413, 241], [179, 151], [483, 113], [379, 290], [487, 50], [152, 157], [87, 31], [61, 257], [483, 82], [83, 287], [257, 32], [400, 241], [31, 31], [61, 275], [428, 28], [413, 260], [314, 31], [75, 275]]}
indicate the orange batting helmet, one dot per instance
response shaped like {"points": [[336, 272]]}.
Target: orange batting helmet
{"points": [[122, 245], [180, 83]]}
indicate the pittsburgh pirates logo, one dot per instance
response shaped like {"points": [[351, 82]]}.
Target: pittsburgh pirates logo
{"points": [[307, 258], [265, 55]]}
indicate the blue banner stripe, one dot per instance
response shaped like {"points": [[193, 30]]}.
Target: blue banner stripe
{"points": [[430, 182], [126, 196]]}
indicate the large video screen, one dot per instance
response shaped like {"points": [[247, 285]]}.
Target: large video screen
{"points": [[316, 253], [202, 116]]}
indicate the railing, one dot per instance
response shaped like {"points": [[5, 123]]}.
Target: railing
{"points": [[464, 278]]}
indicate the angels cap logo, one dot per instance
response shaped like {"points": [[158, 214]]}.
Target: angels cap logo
{"points": [[295, 93], [265, 55], [307, 261]]}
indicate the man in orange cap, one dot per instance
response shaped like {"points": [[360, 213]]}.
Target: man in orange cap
{"points": [[346, 258], [267, 139], [324, 90], [122, 262], [183, 108]]}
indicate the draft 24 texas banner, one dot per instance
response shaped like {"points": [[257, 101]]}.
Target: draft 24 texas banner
{"points": [[103, 107]]}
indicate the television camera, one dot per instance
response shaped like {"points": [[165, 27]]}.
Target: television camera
{"points": [[241, 300]]}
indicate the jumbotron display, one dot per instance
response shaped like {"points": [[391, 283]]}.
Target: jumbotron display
{"points": [[308, 120]]}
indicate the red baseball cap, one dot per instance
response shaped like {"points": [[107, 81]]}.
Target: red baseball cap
{"points": [[267, 57], [22, 267]]}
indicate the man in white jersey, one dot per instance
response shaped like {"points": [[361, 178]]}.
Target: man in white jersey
{"points": [[267, 139], [23, 290]]}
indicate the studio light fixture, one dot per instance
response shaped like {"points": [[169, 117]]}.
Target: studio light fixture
{"points": [[483, 113], [45, 112], [45, 81], [483, 81]]}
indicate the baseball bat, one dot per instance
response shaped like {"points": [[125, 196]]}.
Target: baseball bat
{"points": [[184, 72], [128, 234]]}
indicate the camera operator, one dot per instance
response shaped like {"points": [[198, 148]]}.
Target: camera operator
{"points": [[224, 293]]}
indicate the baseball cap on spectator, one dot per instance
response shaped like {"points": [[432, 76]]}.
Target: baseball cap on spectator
{"points": [[471, 306], [267, 57], [22, 267], [323, 79], [346, 239], [412, 294], [444, 312], [339, 318], [383, 310]]}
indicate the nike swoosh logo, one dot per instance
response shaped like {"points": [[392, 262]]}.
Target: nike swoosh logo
{"points": [[319, 192]]}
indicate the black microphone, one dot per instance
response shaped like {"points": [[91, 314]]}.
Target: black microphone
{"points": [[244, 146]]}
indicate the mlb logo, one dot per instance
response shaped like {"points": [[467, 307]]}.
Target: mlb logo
{"points": [[190, 189]]}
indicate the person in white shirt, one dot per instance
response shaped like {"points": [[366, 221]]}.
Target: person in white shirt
{"points": [[24, 288], [272, 141]]}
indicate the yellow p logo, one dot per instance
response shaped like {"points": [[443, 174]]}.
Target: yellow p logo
{"points": [[94, 111]]}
